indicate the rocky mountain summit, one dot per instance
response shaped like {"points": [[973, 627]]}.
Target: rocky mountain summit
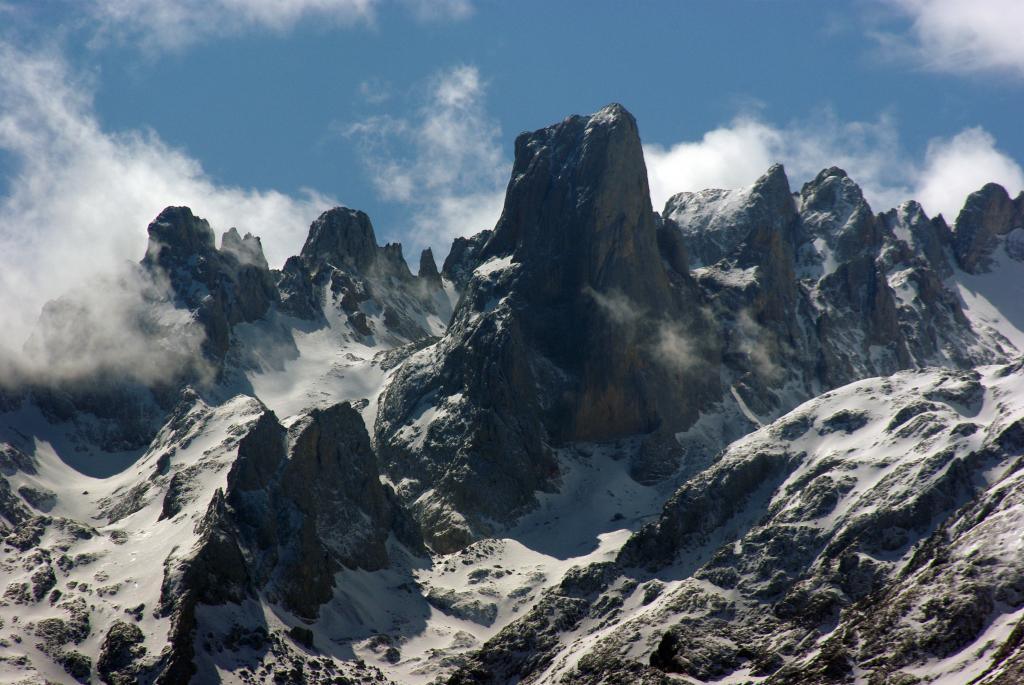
{"points": [[760, 436], [549, 342]]}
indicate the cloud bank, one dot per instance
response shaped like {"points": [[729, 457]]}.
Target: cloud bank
{"points": [[735, 155], [79, 198], [114, 327], [960, 37]]}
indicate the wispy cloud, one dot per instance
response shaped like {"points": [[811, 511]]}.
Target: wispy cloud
{"points": [[161, 26], [959, 37], [440, 10], [168, 25], [445, 162], [79, 198], [120, 326], [734, 155], [664, 341], [374, 91]]}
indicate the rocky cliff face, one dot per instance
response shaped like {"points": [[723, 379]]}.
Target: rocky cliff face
{"points": [[222, 287], [988, 215], [821, 287], [299, 505], [560, 335]]}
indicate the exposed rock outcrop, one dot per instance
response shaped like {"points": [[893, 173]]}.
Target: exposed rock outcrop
{"points": [[299, 506], [988, 215], [463, 258], [564, 327], [222, 287]]}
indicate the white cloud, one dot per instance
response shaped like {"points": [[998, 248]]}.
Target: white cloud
{"points": [[728, 157], [175, 24], [435, 10], [961, 37], [79, 198], [956, 167], [734, 156], [445, 163], [170, 25]]}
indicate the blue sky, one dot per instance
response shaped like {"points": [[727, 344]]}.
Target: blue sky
{"points": [[261, 113]]}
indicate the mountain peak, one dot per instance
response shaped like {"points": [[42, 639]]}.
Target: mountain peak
{"points": [[597, 164], [775, 176], [612, 113], [428, 267], [341, 236], [987, 214], [830, 172], [247, 249], [178, 231]]}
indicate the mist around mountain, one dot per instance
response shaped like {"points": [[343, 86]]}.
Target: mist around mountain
{"points": [[760, 435]]}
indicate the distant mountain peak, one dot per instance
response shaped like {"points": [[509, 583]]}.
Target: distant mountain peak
{"points": [[341, 236]]}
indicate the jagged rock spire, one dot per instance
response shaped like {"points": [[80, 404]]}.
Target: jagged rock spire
{"points": [[247, 250], [834, 209], [236, 283], [578, 208], [428, 268], [578, 219]]}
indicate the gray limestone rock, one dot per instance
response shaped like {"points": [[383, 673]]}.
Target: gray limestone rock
{"points": [[428, 269], [463, 258], [566, 322], [122, 648], [464, 605], [223, 287], [988, 214]]}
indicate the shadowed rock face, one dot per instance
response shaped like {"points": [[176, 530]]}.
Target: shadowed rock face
{"points": [[805, 288], [223, 287], [988, 214], [428, 269], [570, 328], [463, 257], [578, 220], [744, 245], [342, 267], [309, 503], [300, 505], [342, 237], [768, 207]]}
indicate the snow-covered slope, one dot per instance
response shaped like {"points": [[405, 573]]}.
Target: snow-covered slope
{"points": [[91, 554], [871, 532]]}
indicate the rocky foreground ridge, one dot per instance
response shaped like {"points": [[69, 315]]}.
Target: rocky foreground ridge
{"points": [[345, 472]]}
